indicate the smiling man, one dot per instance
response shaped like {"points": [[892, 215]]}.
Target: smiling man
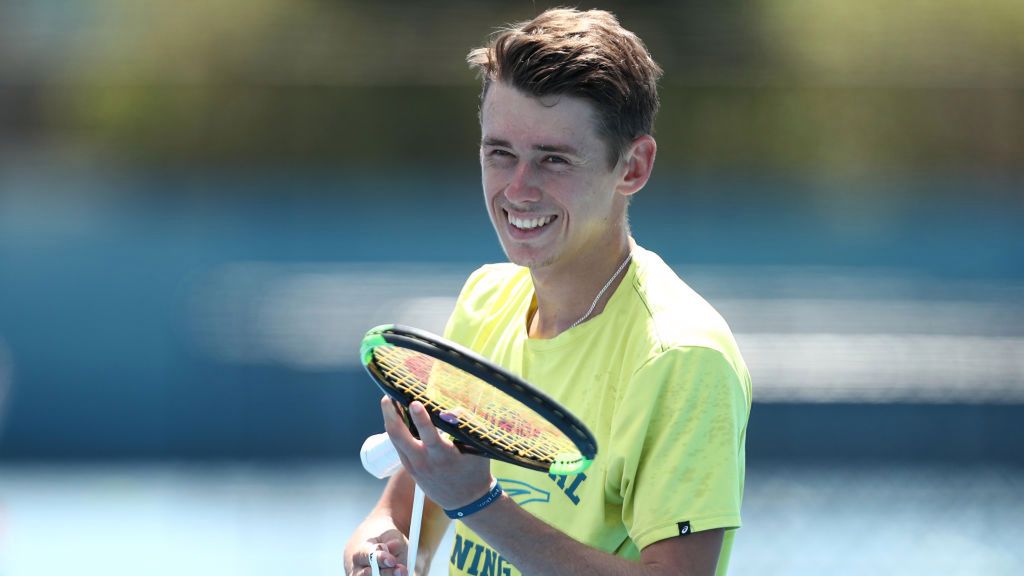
{"points": [[596, 321]]}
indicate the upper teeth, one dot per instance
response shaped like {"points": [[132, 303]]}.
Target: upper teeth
{"points": [[529, 223]]}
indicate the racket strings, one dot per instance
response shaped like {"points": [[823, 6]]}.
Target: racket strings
{"points": [[481, 426], [483, 411]]}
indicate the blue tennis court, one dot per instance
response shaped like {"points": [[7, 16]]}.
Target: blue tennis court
{"points": [[799, 520]]}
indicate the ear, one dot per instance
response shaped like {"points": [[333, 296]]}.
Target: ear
{"points": [[636, 165]]}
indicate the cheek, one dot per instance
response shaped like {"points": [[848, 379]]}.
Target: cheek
{"points": [[492, 192], [490, 185], [591, 203], [495, 179]]}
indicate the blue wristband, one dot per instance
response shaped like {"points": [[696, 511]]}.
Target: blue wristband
{"points": [[477, 505]]}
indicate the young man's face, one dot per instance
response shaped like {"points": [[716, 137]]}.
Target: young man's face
{"points": [[550, 192]]}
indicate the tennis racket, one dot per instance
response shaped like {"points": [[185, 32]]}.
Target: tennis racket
{"points": [[484, 408]]}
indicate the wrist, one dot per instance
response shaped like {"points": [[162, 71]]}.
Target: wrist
{"points": [[492, 495]]}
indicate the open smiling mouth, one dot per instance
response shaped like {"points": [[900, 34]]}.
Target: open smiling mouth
{"points": [[528, 224]]}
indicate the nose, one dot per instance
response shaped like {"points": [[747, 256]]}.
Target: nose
{"points": [[523, 186]]}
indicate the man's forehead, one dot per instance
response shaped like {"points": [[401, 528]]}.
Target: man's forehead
{"points": [[501, 95], [552, 121]]}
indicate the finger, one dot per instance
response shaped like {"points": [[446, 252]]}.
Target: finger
{"points": [[401, 438], [384, 557], [427, 432], [379, 568]]}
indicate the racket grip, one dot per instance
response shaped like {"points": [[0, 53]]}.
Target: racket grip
{"points": [[379, 456]]}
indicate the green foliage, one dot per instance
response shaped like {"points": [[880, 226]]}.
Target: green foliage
{"points": [[795, 86]]}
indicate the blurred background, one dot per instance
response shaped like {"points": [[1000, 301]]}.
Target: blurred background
{"points": [[204, 205]]}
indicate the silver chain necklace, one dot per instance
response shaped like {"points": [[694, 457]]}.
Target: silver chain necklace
{"points": [[601, 293]]}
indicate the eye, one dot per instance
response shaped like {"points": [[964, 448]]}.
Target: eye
{"points": [[556, 164], [498, 154]]}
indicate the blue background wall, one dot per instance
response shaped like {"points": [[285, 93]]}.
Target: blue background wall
{"points": [[107, 308]]}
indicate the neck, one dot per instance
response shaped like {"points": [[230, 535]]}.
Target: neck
{"points": [[565, 295]]}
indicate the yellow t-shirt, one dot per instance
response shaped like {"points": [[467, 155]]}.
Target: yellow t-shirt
{"points": [[658, 379]]}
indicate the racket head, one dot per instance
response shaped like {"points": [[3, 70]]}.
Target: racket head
{"points": [[496, 413]]}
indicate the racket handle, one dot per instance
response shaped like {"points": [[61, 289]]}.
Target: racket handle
{"points": [[379, 456]]}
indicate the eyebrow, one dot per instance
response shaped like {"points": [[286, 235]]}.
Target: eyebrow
{"points": [[557, 148]]}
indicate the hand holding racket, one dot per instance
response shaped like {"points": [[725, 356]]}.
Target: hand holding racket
{"points": [[483, 408]]}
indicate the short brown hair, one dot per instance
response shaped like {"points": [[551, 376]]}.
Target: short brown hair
{"points": [[583, 54]]}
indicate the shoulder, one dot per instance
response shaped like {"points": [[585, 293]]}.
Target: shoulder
{"points": [[492, 282], [491, 276], [489, 288], [671, 316]]}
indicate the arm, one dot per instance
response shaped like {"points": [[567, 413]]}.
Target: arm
{"points": [[386, 529], [452, 480], [502, 523]]}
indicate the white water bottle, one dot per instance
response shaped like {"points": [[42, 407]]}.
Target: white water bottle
{"points": [[379, 456]]}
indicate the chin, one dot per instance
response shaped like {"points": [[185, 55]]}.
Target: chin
{"points": [[530, 254], [529, 260]]}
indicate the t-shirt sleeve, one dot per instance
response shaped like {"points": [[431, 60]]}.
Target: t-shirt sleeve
{"points": [[465, 313], [679, 428]]}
